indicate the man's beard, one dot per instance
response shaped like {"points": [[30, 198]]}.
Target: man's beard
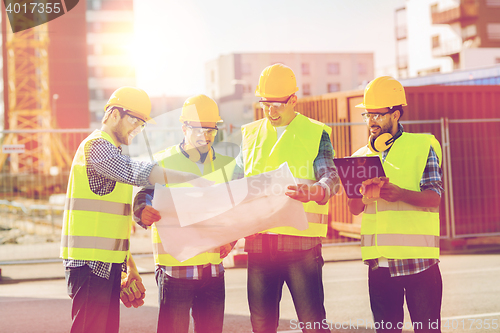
{"points": [[121, 134], [387, 128]]}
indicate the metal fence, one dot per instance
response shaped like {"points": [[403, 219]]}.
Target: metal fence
{"points": [[33, 187], [31, 203], [473, 148]]}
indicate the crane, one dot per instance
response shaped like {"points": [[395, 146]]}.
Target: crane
{"points": [[29, 118], [28, 105]]}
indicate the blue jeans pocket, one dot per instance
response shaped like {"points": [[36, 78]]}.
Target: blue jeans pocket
{"points": [[319, 256]]}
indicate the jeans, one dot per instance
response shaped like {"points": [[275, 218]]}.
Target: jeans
{"points": [[177, 297], [302, 272], [423, 292], [96, 301]]}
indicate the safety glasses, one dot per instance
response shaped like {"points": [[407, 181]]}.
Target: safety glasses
{"points": [[374, 115], [135, 121], [267, 104], [212, 131]]}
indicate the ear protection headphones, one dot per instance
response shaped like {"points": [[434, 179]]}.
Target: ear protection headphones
{"points": [[194, 155], [383, 141]]}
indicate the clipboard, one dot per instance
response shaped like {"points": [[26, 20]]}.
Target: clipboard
{"points": [[355, 170]]}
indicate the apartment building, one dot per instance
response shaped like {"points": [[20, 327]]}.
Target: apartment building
{"points": [[110, 27], [231, 79], [440, 36]]}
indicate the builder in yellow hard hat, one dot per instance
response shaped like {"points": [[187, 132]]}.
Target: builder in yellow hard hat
{"points": [[286, 254], [400, 225], [196, 285], [96, 222]]}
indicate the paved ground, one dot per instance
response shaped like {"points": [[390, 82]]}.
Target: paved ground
{"points": [[470, 300]]}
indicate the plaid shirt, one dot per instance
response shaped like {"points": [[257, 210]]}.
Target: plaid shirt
{"points": [[192, 272], [326, 172], [105, 166], [197, 272], [431, 180]]}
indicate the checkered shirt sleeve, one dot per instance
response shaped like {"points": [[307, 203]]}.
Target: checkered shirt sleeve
{"points": [[142, 199], [431, 177], [324, 169], [106, 165]]}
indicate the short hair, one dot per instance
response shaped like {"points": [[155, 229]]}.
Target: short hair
{"points": [[110, 110], [399, 108]]}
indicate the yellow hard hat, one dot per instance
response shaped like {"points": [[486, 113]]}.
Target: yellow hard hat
{"points": [[276, 81], [134, 100], [200, 108], [383, 92]]}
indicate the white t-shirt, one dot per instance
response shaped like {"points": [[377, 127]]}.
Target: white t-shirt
{"points": [[280, 131]]}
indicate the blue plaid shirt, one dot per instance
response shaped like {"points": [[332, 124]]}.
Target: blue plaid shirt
{"points": [[431, 180], [197, 272], [327, 176]]}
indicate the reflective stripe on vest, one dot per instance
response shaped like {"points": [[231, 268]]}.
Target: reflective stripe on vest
{"points": [[398, 230], [173, 158], [400, 240], [90, 242], [401, 206], [95, 228], [298, 146], [94, 205]]}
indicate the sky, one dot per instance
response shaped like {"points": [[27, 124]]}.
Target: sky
{"points": [[174, 39]]}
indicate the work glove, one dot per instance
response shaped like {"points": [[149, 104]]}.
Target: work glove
{"points": [[133, 294]]}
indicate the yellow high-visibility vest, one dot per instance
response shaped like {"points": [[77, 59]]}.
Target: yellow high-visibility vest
{"points": [[219, 170], [299, 145], [398, 230], [95, 227]]}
